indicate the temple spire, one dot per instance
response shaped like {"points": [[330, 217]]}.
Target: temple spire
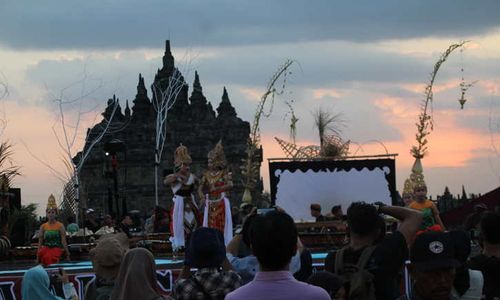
{"points": [[127, 110], [141, 87], [168, 59], [225, 108], [197, 85]]}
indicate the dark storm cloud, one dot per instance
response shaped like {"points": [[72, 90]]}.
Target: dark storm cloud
{"points": [[129, 24]]}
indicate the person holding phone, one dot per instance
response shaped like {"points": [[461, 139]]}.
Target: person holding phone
{"points": [[36, 285]]}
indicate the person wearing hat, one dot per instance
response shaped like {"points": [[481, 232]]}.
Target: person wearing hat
{"points": [[433, 262], [185, 214], [214, 277], [52, 242], [106, 259], [90, 221]]}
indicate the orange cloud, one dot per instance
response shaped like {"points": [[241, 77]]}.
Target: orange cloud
{"points": [[320, 93]]}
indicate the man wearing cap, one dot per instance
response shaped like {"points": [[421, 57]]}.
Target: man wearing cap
{"points": [[90, 221], [214, 278], [433, 263], [106, 259]]}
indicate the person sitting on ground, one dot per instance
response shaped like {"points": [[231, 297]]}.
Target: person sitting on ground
{"points": [[273, 240], [316, 212], [106, 259], [488, 262], [384, 254], [72, 226], [36, 285], [331, 283], [432, 268], [248, 265], [214, 277], [137, 277]]}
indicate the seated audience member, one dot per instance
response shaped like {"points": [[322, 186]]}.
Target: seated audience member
{"points": [[72, 226], [207, 253], [90, 221], [489, 261], [36, 285], [161, 220], [137, 277], [248, 265], [336, 213], [468, 284], [108, 221], [125, 225], [432, 268], [273, 240], [383, 255], [106, 259], [316, 212], [331, 283]]}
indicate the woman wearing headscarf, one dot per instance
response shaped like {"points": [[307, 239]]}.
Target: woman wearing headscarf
{"points": [[137, 277], [36, 286]]}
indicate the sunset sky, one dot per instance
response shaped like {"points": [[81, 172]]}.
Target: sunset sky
{"points": [[368, 60]]}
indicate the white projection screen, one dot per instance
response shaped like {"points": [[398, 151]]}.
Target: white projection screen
{"points": [[297, 184]]}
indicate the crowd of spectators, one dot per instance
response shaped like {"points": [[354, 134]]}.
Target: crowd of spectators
{"points": [[267, 260]]}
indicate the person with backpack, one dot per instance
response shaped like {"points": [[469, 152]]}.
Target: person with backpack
{"points": [[370, 265]]}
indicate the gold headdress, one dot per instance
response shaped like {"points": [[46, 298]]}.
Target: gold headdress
{"points": [[217, 156], [51, 203], [408, 187], [181, 156], [417, 175]]}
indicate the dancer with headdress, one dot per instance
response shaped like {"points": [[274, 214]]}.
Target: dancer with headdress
{"points": [[51, 237], [430, 213], [214, 185], [185, 214], [407, 195]]}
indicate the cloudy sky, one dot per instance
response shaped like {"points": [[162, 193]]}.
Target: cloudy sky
{"points": [[369, 60]]}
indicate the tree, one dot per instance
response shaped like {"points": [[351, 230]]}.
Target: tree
{"points": [[71, 112], [165, 95]]}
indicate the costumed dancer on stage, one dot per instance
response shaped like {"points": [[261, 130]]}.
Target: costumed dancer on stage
{"points": [[185, 214], [216, 181], [51, 237], [430, 213], [408, 195]]}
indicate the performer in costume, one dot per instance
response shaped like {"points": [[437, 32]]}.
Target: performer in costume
{"points": [[430, 213], [51, 237], [216, 181], [185, 214], [408, 192]]}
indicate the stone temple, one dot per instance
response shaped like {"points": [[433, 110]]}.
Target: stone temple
{"points": [[125, 181]]}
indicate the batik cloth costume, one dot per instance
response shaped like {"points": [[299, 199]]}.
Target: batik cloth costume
{"points": [[52, 249], [183, 195], [214, 184]]}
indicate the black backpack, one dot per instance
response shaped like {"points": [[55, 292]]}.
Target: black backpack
{"points": [[360, 280]]}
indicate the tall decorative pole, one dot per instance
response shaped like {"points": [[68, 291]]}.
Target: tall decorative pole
{"points": [[425, 123]]}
